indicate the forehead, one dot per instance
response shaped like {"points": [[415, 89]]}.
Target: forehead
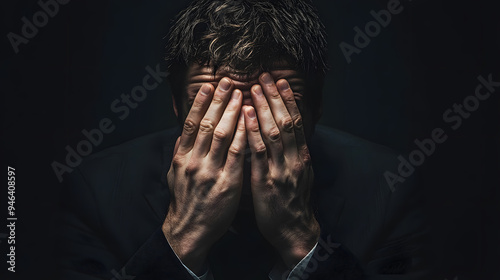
{"points": [[198, 74], [279, 69]]}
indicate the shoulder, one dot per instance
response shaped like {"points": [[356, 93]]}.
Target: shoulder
{"points": [[345, 150], [111, 177], [106, 196], [145, 145], [136, 152], [127, 163], [354, 165]]}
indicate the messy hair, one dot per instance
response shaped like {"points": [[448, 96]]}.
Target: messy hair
{"points": [[248, 35]]}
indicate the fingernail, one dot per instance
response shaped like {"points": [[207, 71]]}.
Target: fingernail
{"points": [[205, 89], [236, 94], [267, 79], [251, 113], [284, 85], [225, 84], [257, 90]]}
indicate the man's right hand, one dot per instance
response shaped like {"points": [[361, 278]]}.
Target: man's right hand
{"points": [[206, 174]]}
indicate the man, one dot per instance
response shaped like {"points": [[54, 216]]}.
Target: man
{"points": [[240, 199]]}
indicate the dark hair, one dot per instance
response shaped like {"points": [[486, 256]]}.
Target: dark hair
{"points": [[248, 35]]}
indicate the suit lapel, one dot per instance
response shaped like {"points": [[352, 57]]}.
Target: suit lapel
{"points": [[157, 195], [330, 209]]}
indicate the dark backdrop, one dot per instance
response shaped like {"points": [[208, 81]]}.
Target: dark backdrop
{"points": [[393, 92]]}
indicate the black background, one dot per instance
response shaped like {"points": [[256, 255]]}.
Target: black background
{"points": [[393, 92]]}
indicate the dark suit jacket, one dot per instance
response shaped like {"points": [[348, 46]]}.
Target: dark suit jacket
{"points": [[116, 201]]}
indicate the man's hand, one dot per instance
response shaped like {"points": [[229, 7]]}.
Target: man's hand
{"points": [[205, 178], [281, 171]]}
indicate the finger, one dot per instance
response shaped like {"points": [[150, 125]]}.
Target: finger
{"points": [[212, 117], [236, 152], [173, 163], [224, 131], [289, 99], [259, 163], [196, 113], [270, 132], [274, 94], [176, 147]]}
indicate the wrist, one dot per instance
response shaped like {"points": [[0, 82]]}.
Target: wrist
{"points": [[188, 248], [298, 245]]}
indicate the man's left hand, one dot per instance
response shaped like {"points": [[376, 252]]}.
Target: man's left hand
{"points": [[281, 172]]}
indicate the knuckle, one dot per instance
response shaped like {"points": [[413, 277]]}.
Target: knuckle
{"points": [[307, 159], [274, 134], [232, 106], [192, 168], [287, 124], [198, 104], [207, 126], [275, 94], [225, 190], [207, 180], [177, 161], [260, 150], [298, 123], [305, 155], [170, 175], [235, 151], [289, 98], [220, 135], [255, 128], [265, 107], [189, 127], [241, 128], [217, 100], [298, 167]]}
